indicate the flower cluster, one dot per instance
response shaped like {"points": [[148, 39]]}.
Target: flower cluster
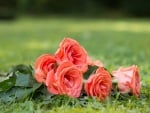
{"points": [[64, 71]]}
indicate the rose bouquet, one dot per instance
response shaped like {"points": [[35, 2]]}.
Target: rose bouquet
{"points": [[69, 72], [64, 73]]}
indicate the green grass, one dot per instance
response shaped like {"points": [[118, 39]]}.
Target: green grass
{"points": [[115, 42]]}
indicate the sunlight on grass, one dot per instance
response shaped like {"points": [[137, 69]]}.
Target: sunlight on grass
{"points": [[110, 26], [2, 54], [38, 45], [75, 25], [132, 27]]}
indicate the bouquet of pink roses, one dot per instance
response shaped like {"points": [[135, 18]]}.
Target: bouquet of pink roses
{"points": [[64, 73]]}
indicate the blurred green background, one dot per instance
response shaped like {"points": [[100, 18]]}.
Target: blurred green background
{"points": [[114, 31]]}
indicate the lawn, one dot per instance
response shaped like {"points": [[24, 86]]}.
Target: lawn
{"points": [[115, 42]]}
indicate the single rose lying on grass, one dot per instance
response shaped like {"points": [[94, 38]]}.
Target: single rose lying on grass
{"points": [[71, 50], [43, 65], [67, 80], [128, 80], [99, 84]]}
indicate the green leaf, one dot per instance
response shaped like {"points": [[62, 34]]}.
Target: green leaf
{"points": [[23, 93], [24, 75], [8, 96], [22, 69], [18, 93], [7, 84], [19, 86], [23, 80]]}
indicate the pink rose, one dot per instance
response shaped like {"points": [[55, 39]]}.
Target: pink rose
{"points": [[94, 63], [43, 65], [99, 84], [71, 50], [67, 80], [128, 80]]}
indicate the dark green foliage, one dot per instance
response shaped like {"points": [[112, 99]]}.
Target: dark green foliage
{"points": [[7, 84], [89, 8], [91, 70], [136, 8], [19, 86]]}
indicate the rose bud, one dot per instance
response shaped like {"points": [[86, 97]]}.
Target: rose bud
{"points": [[128, 80], [43, 65]]}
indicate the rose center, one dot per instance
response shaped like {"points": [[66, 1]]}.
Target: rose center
{"points": [[102, 87], [73, 55], [68, 81]]}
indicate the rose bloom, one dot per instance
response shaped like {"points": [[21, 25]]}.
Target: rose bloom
{"points": [[128, 80], [99, 84], [43, 65], [67, 80], [71, 50], [97, 63]]}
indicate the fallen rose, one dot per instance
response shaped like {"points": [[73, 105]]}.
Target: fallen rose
{"points": [[67, 80], [99, 84], [71, 50], [128, 80], [43, 65]]}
